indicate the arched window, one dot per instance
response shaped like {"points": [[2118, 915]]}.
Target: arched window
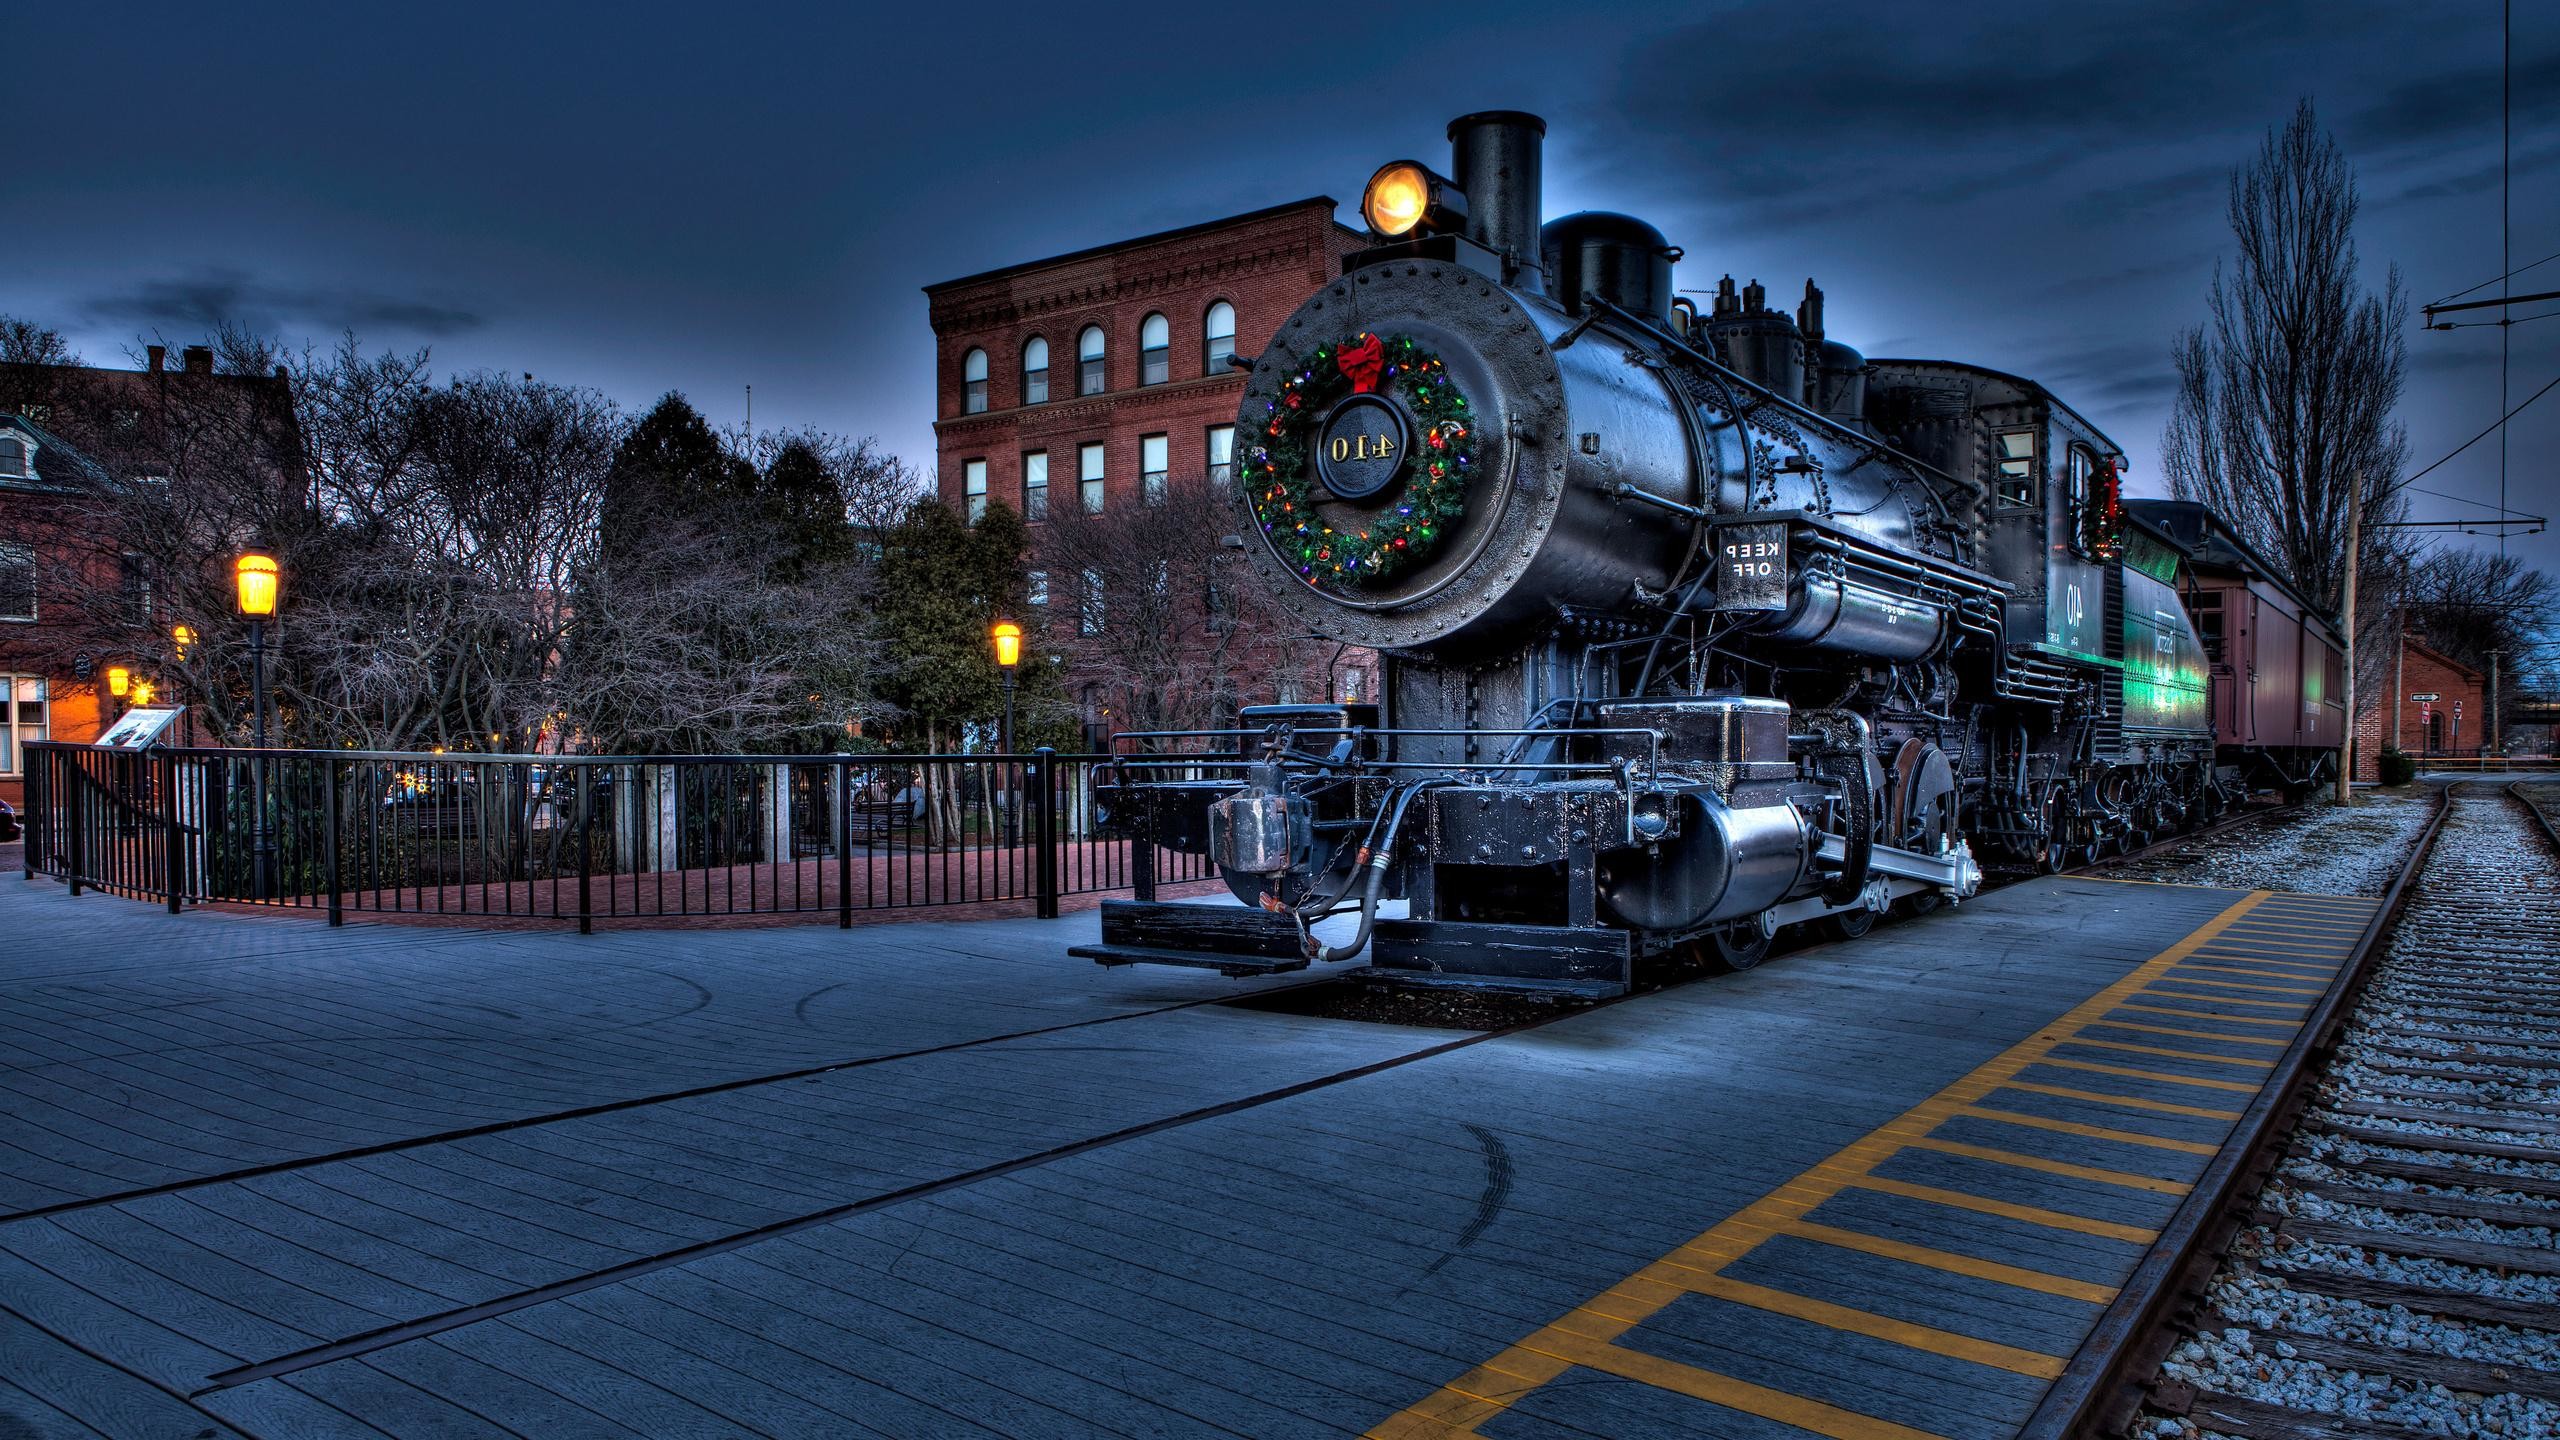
{"points": [[973, 382], [1035, 371], [1218, 338], [1089, 361], [1155, 351]]}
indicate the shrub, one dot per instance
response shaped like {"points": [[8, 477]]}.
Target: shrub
{"points": [[2397, 767]]}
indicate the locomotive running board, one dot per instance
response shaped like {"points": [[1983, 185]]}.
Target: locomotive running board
{"points": [[1228, 939]]}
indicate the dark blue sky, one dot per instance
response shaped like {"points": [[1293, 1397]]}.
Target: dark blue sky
{"points": [[643, 198]]}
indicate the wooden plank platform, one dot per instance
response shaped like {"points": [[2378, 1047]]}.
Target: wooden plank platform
{"points": [[1869, 1189]]}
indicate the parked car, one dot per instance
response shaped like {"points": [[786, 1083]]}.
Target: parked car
{"points": [[9, 827]]}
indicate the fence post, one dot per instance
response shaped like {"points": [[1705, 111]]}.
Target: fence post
{"points": [[74, 794], [173, 863], [586, 853], [1142, 850], [39, 817], [844, 844], [1044, 830], [328, 843]]}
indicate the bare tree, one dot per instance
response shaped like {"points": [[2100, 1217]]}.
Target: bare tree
{"points": [[2285, 395], [1167, 622], [24, 342]]}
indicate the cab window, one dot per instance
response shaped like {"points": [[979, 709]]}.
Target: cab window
{"points": [[2014, 468]]}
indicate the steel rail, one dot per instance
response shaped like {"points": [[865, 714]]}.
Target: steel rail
{"points": [[2110, 1376]]}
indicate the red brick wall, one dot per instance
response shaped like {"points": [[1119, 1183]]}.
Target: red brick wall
{"points": [[1263, 264], [2422, 672]]}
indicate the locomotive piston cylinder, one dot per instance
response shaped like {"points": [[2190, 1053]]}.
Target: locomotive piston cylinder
{"points": [[1250, 833]]}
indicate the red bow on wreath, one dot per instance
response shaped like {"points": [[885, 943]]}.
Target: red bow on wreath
{"points": [[1362, 362]]}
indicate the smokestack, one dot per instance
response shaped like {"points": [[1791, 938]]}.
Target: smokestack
{"points": [[1495, 157], [159, 357], [198, 358]]}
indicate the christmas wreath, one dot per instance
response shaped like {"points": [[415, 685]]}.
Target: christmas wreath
{"points": [[1279, 467], [2102, 514]]}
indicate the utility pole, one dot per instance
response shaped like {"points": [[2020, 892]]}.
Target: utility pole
{"points": [[2347, 622], [2493, 702]]}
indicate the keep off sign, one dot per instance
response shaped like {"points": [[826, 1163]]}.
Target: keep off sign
{"points": [[1751, 567]]}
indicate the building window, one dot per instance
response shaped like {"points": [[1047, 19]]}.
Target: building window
{"points": [[1217, 338], [1089, 604], [1152, 464], [1222, 455], [973, 382], [1035, 485], [22, 718], [1155, 351], [133, 587], [1035, 587], [973, 488], [15, 455], [1089, 477], [2015, 470], [1089, 361], [1353, 680], [17, 582], [1035, 371]]}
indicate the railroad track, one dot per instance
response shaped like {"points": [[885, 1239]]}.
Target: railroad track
{"points": [[2373, 1254]]}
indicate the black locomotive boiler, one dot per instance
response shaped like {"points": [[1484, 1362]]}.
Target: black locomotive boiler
{"points": [[1695, 624]]}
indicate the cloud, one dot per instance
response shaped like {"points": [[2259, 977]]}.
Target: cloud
{"points": [[203, 299]]}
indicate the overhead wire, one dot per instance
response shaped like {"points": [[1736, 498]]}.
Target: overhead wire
{"points": [[2493, 429]]}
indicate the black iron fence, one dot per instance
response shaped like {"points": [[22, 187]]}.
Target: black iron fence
{"points": [[580, 838]]}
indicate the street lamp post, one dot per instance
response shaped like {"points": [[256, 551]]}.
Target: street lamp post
{"points": [[182, 638], [1007, 638], [256, 579]]}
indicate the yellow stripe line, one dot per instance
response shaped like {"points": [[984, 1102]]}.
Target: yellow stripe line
{"points": [[2208, 1015], [1880, 1327], [1582, 1336], [2280, 964], [1750, 1399], [2091, 1132], [1953, 1263], [2132, 1048], [2183, 978], [2008, 1210], [2297, 947], [2298, 1010], [2252, 970], [2189, 1034], [2126, 1178], [2107, 1097], [2131, 1073]]}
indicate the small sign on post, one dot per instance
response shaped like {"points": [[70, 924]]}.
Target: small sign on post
{"points": [[1751, 566]]}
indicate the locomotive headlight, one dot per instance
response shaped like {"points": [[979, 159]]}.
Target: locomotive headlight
{"points": [[1404, 197]]}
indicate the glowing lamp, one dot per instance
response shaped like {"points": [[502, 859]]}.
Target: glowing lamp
{"points": [[143, 692], [119, 681], [256, 573], [184, 636], [1405, 198], [1008, 642]]}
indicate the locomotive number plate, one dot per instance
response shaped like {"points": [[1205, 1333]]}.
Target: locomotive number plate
{"points": [[1751, 567], [1361, 449]]}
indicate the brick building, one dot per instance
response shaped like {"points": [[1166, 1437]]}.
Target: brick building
{"points": [[2441, 711], [69, 605], [1098, 378]]}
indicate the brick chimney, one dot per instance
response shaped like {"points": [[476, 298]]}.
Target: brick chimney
{"points": [[159, 357], [198, 358]]}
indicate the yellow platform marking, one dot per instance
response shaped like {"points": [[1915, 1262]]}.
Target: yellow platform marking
{"points": [[2128, 1045], [2304, 972], [2293, 948], [2090, 1132], [2019, 1160], [2209, 1015], [2184, 977], [2008, 1210], [2228, 1000], [2109, 1097], [1586, 1336], [1954, 1263], [2192, 1034], [1879, 1327], [2130, 1073]]}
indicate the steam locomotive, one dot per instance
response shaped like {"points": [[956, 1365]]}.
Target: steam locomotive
{"points": [[1695, 624]]}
